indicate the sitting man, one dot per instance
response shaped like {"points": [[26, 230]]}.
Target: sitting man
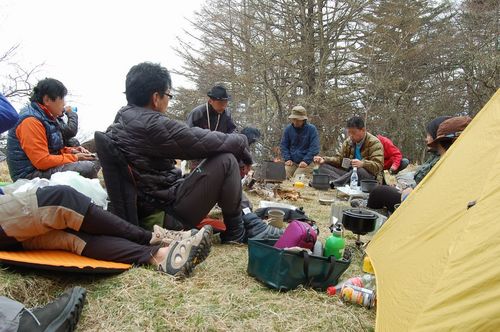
{"points": [[35, 146], [363, 150], [299, 144], [61, 218], [441, 133], [393, 159], [213, 115], [150, 142]]}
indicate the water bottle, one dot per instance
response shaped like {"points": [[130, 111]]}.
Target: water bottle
{"points": [[354, 178], [318, 248], [335, 243]]}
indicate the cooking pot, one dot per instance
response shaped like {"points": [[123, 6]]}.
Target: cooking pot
{"points": [[321, 181], [368, 185], [359, 221]]}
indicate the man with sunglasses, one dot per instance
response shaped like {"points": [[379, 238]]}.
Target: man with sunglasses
{"points": [[150, 142]]}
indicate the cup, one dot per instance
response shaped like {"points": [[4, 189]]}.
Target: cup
{"points": [[275, 218], [346, 163]]}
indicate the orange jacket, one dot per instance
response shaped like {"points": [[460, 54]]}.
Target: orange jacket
{"points": [[33, 140]]}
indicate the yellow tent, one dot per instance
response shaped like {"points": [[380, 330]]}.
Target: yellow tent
{"points": [[437, 259]]}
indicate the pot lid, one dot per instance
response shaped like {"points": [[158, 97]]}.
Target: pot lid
{"points": [[360, 213]]}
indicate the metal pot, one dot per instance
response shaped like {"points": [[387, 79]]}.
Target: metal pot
{"points": [[368, 185], [359, 221], [320, 181]]}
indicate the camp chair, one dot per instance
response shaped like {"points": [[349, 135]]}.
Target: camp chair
{"points": [[118, 177], [122, 190]]}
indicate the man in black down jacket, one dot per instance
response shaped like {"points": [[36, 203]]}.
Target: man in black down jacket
{"points": [[151, 142]]}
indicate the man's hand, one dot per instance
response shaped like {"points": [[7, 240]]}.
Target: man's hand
{"points": [[357, 163], [318, 160], [85, 156], [303, 164], [244, 170], [80, 149], [392, 171], [288, 163]]}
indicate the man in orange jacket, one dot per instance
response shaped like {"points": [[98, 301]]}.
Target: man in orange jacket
{"points": [[35, 146]]}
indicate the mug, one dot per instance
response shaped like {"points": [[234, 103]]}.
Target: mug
{"points": [[275, 218], [346, 163]]}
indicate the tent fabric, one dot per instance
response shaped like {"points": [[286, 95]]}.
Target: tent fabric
{"points": [[61, 261], [436, 258]]}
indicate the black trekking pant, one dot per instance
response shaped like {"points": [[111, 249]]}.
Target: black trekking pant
{"points": [[60, 218], [215, 180]]}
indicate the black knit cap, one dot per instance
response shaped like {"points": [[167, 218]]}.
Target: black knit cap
{"points": [[432, 127]]}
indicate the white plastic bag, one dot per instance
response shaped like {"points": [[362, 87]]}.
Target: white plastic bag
{"points": [[24, 185], [89, 187]]}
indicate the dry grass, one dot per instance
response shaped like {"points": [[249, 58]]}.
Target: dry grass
{"points": [[219, 297], [4, 172]]}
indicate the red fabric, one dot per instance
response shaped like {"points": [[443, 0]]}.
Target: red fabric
{"points": [[392, 155], [217, 224]]}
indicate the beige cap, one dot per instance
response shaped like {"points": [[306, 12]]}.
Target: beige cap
{"points": [[299, 113]]}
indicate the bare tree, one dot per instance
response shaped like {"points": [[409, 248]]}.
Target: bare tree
{"points": [[399, 63], [16, 81]]}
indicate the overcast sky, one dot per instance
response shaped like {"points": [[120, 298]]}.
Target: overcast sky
{"points": [[90, 45]]}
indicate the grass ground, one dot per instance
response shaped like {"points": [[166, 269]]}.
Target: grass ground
{"points": [[219, 297]]}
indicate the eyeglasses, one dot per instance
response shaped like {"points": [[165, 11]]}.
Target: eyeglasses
{"points": [[169, 95]]}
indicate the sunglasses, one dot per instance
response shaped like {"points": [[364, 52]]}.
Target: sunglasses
{"points": [[169, 95]]}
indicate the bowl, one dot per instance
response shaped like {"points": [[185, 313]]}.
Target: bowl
{"points": [[368, 185], [359, 221]]}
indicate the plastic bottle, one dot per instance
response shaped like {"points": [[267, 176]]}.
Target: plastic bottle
{"points": [[354, 178], [368, 281], [335, 243], [318, 248], [359, 295], [334, 290]]}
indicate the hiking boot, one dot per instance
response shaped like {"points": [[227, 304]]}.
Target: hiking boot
{"points": [[60, 315], [184, 255], [256, 228], [166, 236]]}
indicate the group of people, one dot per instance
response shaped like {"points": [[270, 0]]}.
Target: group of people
{"points": [[370, 155], [59, 217], [151, 143]]}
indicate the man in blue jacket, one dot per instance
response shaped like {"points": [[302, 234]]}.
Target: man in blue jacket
{"points": [[300, 143]]}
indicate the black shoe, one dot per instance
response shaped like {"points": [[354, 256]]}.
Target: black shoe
{"points": [[404, 163], [235, 232], [61, 315]]}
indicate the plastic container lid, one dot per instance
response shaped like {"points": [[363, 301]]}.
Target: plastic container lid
{"points": [[298, 184]]}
